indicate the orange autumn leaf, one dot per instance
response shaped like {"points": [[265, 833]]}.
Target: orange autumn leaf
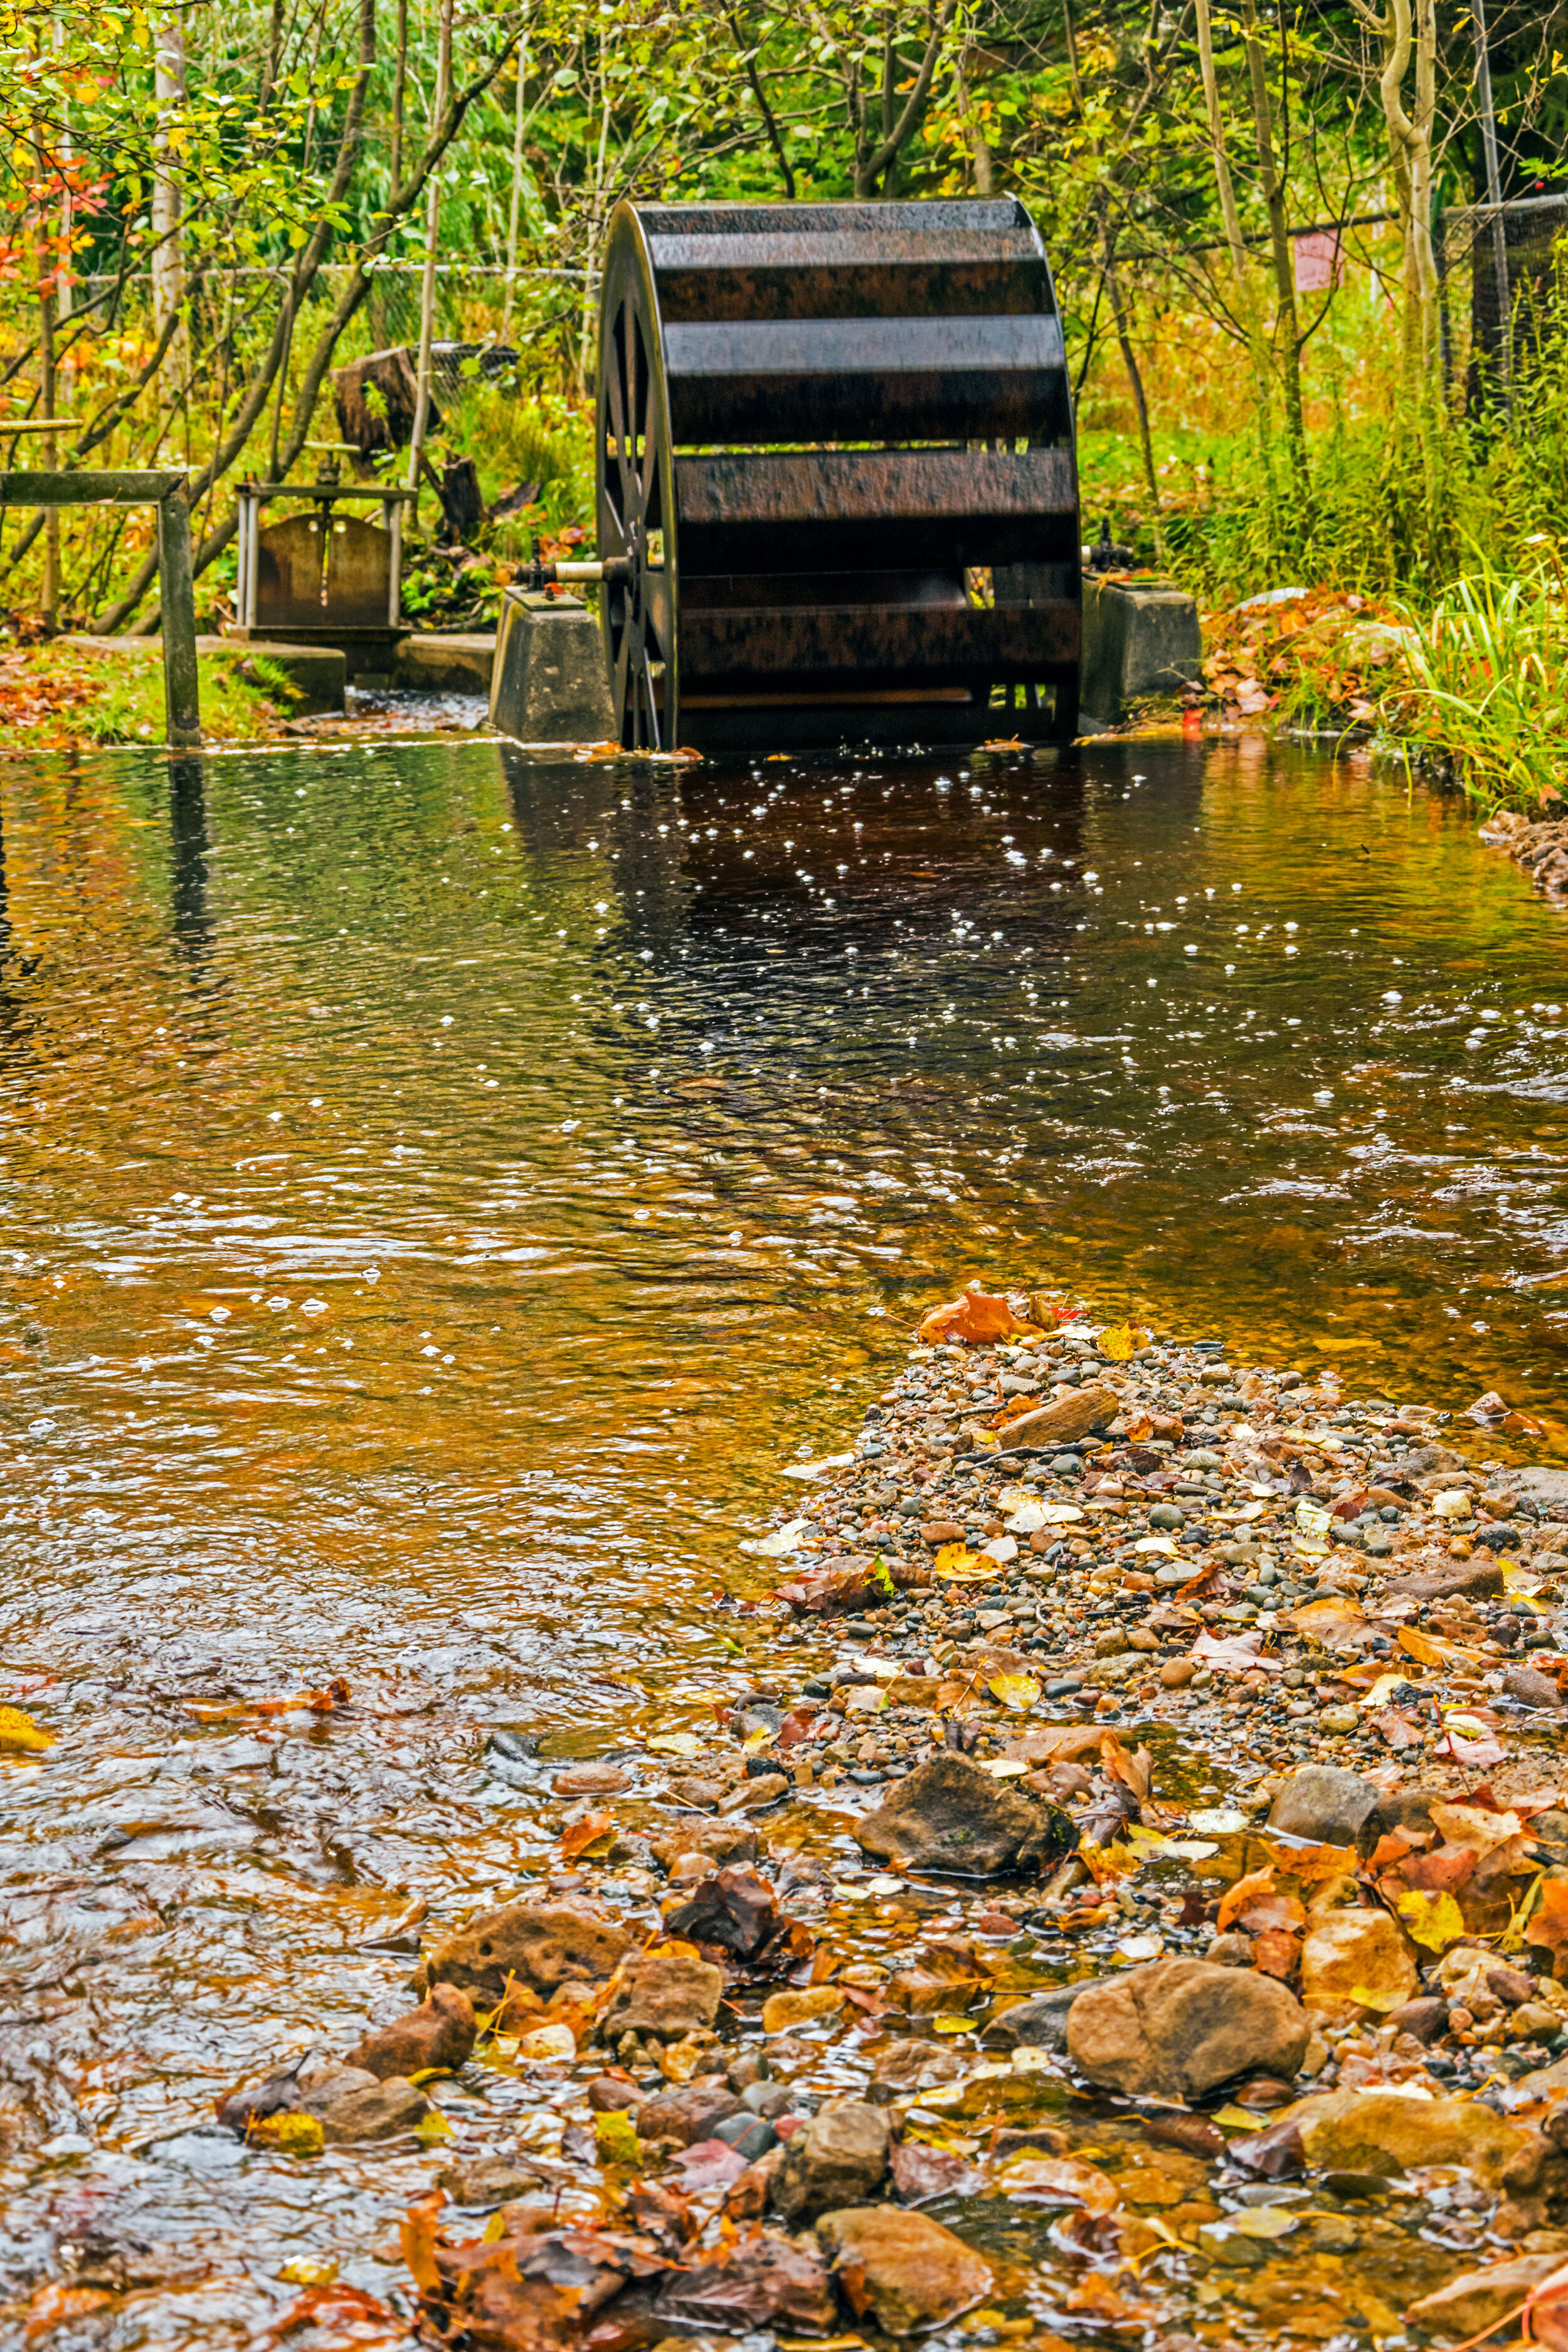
{"points": [[1549, 1921], [417, 2233], [976, 1317], [1237, 1897], [1443, 1873], [1309, 1863], [578, 1836]]}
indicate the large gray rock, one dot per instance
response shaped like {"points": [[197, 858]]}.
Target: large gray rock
{"points": [[902, 2268], [541, 1946], [949, 1815], [839, 2159], [1324, 1804], [1177, 2028]]}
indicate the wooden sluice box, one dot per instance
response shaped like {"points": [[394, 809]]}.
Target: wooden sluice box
{"points": [[325, 575]]}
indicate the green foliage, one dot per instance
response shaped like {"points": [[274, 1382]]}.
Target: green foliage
{"points": [[1487, 691]]}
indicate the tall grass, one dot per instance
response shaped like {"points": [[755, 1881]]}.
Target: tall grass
{"points": [[1487, 690]]}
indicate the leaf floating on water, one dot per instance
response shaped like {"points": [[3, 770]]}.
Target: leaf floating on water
{"points": [[432, 2129], [674, 1743], [581, 1837], [546, 2044], [21, 1734], [1017, 1692]]}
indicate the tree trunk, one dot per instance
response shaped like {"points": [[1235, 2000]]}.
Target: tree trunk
{"points": [[1288, 335], [168, 258]]}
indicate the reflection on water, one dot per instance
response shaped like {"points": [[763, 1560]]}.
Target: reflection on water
{"points": [[440, 1190]]}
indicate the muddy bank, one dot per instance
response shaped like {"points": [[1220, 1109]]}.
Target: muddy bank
{"points": [[1129, 1897]]}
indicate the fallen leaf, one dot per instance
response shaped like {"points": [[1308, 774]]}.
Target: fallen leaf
{"points": [[1236, 1655], [1432, 1651], [1119, 1342], [1236, 1898], [976, 1317], [1017, 1692], [1548, 1921], [674, 1743], [1309, 1863], [579, 1837], [20, 1733], [1431, 1916], [417, 2232]]}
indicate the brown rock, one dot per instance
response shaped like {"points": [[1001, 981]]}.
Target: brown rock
{"points": [[687, 2114], [717, 1841], [1177, 1673], [752, 1796], [949, 1815], [439, 2033], [1473, 2304], [610, 2094], [1069, 1417], [1479, 1579], [1380, 2131], [663, 1994], [591, 1781], [839, 2159], [903, 2269], [1176, 2029], [486, 2181], [910, 2065], [1531, 1688], [351, 2105], [1426, 2019], [541, 1946], [942, 1531]]}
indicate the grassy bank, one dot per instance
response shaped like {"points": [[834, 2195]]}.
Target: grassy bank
{"points": [[57, 694]]}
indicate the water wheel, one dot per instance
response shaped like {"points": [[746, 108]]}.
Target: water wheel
{"points": [[837, 492]]}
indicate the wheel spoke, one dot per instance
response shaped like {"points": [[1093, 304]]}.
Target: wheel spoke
{"points": [[659, 615]]}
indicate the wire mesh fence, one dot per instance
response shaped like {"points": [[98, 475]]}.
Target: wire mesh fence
{"points": [[1508, 259]]}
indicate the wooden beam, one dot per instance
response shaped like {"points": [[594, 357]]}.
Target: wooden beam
{"points": [[87, 489]]}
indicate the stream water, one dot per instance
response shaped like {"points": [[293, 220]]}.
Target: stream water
{"points": [[442, 1190]]}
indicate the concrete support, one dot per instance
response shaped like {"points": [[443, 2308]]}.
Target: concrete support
{"points": [[548, 685], [1140, 638]]}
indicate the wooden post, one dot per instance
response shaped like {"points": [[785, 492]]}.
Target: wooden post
{"points": [[177, 602]]}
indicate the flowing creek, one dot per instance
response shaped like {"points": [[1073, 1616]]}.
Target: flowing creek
{"points": [[443, 1189]]}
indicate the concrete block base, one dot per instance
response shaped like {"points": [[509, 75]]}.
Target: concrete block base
{"points": [[549, 684], [1139, 639], [446, 664]]}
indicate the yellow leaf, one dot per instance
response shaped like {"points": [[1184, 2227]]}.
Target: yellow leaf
{"points": [[432, 2127], [1018, 1692], [1003, 1767], [303, 2272], [674, 1743], [1120, 1341], [1431, 1916], [1158, 1543], [616, 2136], [1233, 2119], [961, 1566], [953, 2024], [289, 2134], [19, 1731]]}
